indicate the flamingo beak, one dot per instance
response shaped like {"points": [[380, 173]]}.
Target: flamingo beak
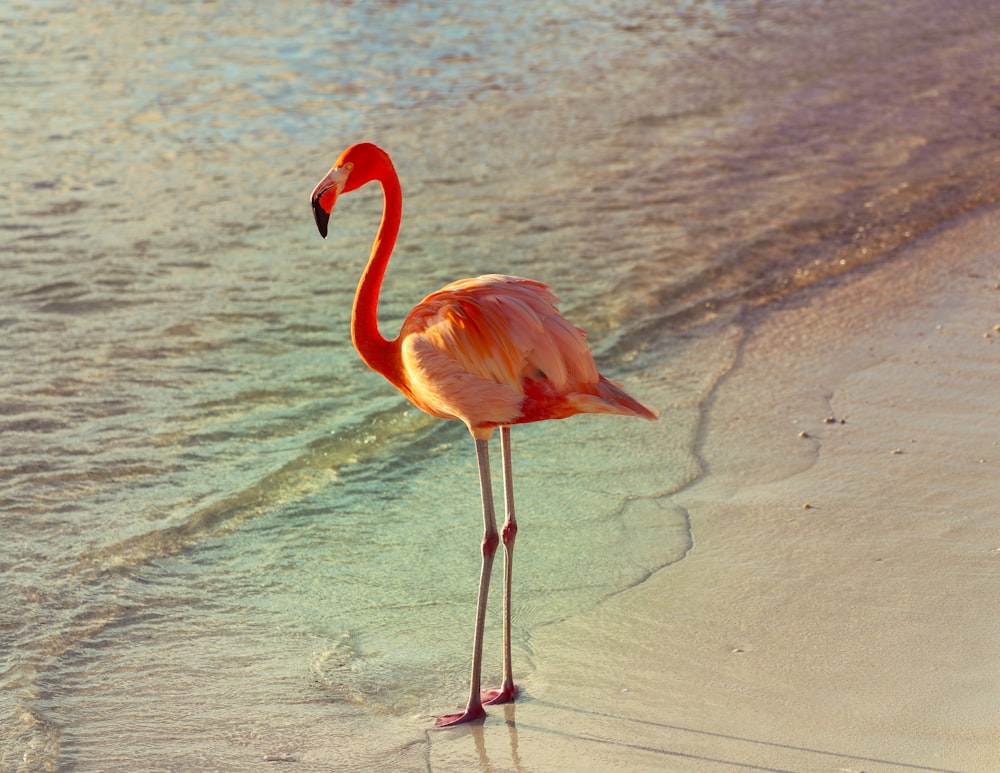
{"points": [[321, 215], [325, 194]]}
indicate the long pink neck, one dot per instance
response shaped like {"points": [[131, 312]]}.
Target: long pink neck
{"points": [[379, 354]]}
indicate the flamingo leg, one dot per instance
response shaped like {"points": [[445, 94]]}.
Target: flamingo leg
{"points": [[508, 533], [474, 708]]}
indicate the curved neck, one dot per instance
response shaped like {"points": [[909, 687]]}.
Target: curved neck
{"points": [[378, 353]]}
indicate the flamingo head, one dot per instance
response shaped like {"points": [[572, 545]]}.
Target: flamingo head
{"points": [[356, 166]]}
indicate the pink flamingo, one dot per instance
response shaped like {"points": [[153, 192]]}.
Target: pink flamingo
{"points": [[492, 352]]}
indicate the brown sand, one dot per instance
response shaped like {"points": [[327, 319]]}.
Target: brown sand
{"points": [[838, 611]]}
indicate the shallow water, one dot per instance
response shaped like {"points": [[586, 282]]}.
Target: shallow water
{"points": [[226, 541]]}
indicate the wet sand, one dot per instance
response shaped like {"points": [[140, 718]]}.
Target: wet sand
{"points": [[837, 611]]}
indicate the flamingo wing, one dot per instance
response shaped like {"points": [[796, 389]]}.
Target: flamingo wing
{"points": [[477, 343]]}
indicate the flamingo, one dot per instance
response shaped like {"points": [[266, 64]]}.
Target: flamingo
{"points": [[492, 352]]}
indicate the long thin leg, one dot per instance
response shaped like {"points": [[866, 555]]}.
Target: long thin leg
{"points": [[474, 709], [508, 533]]}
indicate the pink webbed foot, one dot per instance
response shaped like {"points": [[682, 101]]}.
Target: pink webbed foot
{"points": [[471, 714], [504, 694]]}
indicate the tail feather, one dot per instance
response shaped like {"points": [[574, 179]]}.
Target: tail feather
{"points": [[611, 397]]}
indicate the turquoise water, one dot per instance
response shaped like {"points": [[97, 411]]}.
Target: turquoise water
{"points": [[227, 542]]}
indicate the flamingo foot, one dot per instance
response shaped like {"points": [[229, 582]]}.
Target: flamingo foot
{"points": [[471, 714], [505, 694]]}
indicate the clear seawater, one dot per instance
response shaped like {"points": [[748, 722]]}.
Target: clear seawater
{"points": [[225, 542]]}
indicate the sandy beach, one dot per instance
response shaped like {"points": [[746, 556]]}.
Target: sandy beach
{"points": [[837, 611]]}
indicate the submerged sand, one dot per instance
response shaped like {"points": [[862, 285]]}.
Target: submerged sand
{"points": [[838, 610]]}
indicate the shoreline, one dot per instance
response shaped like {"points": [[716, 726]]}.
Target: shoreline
{"points": [[837, 609]]}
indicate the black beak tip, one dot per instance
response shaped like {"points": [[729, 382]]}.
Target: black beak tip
{"points": [[322, 218]]}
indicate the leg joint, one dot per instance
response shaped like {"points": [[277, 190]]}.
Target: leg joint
{"points": [[490, 542]]}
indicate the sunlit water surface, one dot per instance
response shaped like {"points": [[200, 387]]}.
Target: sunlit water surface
{"points": [[227, 542]]}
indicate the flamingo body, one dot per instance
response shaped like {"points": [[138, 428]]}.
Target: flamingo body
{"points": [[491, 351], [494, 351]]}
